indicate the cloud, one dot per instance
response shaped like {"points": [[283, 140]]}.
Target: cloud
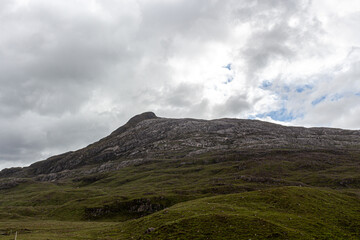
{"points": [[52, 60], [234, 105], [282, 32]]}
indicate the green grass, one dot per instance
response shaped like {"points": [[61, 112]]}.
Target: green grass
{"points": [[280, 213], [51, 230], [212, 196]]}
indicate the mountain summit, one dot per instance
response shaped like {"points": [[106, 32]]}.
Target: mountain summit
{"points": [[146, 136], [133, 121]]}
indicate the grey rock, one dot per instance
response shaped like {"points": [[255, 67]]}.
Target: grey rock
{"points": [[11, 183], [150, 229], [147, 137]]}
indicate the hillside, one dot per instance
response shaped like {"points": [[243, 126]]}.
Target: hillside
{"points": [[159, 178]]}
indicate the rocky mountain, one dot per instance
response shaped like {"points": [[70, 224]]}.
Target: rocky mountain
{"points": [[161, 178], [147, 137]]}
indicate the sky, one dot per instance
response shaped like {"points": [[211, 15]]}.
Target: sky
{"points": [[71, 72]]}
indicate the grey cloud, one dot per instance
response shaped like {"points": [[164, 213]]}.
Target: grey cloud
{"points": [[199, 19], [184, 95], [343, 113], [17, 143], [52, 62], [234, 106], [42, 98], [338, 89], [266, 46], [32, 137], [272, 37], [180, 96], [171, 99]]}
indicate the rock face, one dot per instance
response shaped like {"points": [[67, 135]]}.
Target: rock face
{"points": [[10, 183], [146, 136]]}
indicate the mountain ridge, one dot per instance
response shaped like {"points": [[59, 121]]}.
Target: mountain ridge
{"points": [[146, 136]]}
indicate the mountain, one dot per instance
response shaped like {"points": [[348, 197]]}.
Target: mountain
{"points": [[161, 178], [146, 136]]}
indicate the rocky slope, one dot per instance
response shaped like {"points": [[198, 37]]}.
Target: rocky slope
{"points": [[146, 137]]}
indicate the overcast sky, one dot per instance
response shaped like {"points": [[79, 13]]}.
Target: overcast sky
{"points": [[73, 71]]}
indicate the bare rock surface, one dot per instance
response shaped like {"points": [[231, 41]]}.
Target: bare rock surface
{"points": [[147, 136]]}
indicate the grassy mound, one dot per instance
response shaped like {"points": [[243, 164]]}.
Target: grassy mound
{"points": [[276, 213], [253, 196], [281, 213]]}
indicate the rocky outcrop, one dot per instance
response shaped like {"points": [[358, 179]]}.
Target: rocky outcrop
{"points": [[137, 207], [8, 172], [11, 183], [147, 136]]}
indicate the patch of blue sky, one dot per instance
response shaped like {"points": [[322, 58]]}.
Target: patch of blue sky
{"points": [[286, 88], [357, 94], [228, 66], [279, 115], [303, 88], [283, 92], [280, 91], [266, 84], [336, 97], [229, 80], [318, 100]]}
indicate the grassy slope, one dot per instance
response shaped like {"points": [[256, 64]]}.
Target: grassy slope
{"points": [[281, 213], [51, 230], [278, 213], [164, 183]]}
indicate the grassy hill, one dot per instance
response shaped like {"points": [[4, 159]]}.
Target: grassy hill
{"points": [[282, 195], [195, 179], [277, 213]]}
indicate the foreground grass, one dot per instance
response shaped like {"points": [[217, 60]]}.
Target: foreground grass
{"points": [[281, 213], [166, 182], [211, 197], [278, 213], [52, 230]]}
